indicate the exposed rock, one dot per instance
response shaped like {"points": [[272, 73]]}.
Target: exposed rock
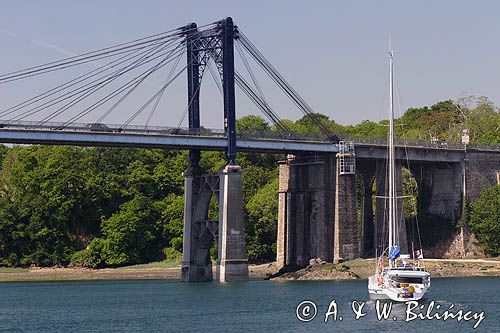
{"points": [[319, 271]]}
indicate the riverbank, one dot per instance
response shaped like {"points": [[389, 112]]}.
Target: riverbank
{"points": [[153, 271], [362, 268], [355, 269]]}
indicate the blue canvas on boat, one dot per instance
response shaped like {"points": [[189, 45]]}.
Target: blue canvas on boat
{"points": [[394, 252]]}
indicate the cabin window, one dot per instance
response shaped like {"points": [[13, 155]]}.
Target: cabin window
{"points": [[402, 279]]}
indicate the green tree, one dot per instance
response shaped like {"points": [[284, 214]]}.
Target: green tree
{"points": [[172, 221], [131, 235], [367, 129], [308, 125], [484, 219], [252, 124], [262, 214]]}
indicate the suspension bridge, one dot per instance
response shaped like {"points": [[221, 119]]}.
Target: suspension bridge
{"points": [[318, 201]]}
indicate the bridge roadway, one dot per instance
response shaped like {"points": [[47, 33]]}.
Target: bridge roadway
{"points": [[169, 138]]}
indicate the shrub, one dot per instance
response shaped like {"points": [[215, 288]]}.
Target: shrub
{"points": [[89, 257], [485, 220], [172, 254]]}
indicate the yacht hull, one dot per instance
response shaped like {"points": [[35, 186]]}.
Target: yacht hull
{"points": [[385, 290]]}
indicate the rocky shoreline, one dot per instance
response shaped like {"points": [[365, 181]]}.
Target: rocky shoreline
{"points": [[362, 268], [350, 270]]}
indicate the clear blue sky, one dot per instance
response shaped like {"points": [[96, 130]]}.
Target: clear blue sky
{"points": [[333, 52]]}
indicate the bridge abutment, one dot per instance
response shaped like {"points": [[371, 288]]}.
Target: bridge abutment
{"points": [[441, 190], [483, 170]]}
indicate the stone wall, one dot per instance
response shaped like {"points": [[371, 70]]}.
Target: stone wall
{"points": [[318, 208], [483, 170], [346, 228], [305, 212], [441, 189]]}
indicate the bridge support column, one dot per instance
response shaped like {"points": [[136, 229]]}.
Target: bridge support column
{"points": [[440, 187], [346, 231], [199, 233], [282, 243], [232, 264], [305, 211]]}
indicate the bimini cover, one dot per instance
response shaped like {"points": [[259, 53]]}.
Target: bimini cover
{"points": [[394, 252]]}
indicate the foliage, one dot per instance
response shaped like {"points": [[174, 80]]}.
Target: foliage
{"points": [[130, 235], [262, 217], [410, 194], [252, 124], [98, 207], [484, 220]]}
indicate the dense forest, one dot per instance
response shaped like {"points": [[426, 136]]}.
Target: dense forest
{"points": [[100, 207]]}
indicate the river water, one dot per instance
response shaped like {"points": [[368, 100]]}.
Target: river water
{"points": [[254, 306]]}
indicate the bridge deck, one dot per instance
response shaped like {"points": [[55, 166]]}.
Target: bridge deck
{"points": [[163, 141], [170, 138]]}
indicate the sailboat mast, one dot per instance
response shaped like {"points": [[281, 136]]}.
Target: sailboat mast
{"points": [[392, 208]]}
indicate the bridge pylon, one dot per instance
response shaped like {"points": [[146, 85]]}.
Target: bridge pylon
{"points": [[229, 231]]}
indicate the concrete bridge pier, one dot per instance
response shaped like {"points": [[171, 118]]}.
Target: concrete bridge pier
{"points": [[199, 232], [232, 264]]}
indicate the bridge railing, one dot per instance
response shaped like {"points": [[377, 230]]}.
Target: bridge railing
{"points": [[415, 143]]}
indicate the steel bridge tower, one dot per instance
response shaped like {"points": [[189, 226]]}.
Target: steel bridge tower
{"points": [[217, 45]]}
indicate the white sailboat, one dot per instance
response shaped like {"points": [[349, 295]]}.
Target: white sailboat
{"points": [[395, 278]]}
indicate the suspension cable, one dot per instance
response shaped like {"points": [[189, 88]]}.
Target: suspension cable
{"points": [[282, 83], [108, 66], [81, 94], [134, 83]]}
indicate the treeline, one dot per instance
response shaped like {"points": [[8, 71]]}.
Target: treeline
{"points": [[100, 207]]}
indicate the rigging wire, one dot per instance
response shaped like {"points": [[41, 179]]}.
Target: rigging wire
{"points": [[405, 144]]}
